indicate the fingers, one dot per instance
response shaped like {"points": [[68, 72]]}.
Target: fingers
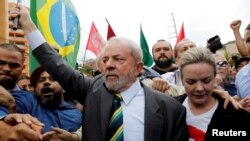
{"points": [[48, 135], [37, 128], [23, 132], [235, 103], [160, 84], [235, 24], [227, 99], [22, 118], [226, 102], [58, 130], [14, 12], [24, 20], [62, 134], [36, 121], [245, 103], [57, 134], [13, 119]]}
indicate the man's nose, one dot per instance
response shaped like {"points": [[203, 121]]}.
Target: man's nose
{"points": [[162, 51], [46, 82], [109, 64], [6, 67]]}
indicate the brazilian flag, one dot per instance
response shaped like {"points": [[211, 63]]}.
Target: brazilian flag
{"points": [[58, 22]]}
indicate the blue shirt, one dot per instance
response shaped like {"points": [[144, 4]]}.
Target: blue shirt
{"points": [[243, 81], [66, 116]]}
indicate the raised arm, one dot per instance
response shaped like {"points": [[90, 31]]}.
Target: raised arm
{"points": [[71, 80], [235, 26]]}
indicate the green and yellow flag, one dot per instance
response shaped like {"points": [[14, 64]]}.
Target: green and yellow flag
{"points": [[58, 22]]}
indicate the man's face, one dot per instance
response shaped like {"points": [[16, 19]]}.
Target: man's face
{"points": [[222, 67], [48, 91], [119, 67], [25, 85], [241, 65], [247, 39], [183, 47], [11, 66], [162, 54]]}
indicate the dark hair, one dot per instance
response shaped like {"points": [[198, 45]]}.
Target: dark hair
{"points": [[248, 27], [12, 47]]}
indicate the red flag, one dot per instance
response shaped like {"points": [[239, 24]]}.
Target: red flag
{"points": [[95, 41], [181, 34], [110, 32]]}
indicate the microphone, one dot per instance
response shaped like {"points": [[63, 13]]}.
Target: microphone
{"points": [[16, 19]]}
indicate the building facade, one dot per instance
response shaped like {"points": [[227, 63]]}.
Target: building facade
{"points": [[8, 35]]}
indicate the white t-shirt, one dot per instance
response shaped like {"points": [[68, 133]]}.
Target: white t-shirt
{"points": [[197, 124]]}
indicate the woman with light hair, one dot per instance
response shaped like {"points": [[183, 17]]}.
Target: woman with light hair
{"points": [[206, 117]]}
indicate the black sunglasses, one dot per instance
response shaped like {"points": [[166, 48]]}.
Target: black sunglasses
{"points": [[222, 63]]}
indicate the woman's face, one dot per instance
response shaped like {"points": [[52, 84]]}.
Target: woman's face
{"points": [[198, 80]]}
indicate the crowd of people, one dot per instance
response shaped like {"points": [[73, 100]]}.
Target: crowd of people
{"points": [[189, 94]]}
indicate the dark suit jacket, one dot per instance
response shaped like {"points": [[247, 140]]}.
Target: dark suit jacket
{"points": [[226, 121], [165, 118]]}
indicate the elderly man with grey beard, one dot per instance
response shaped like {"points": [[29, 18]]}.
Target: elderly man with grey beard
{"points": [[117, 105]]}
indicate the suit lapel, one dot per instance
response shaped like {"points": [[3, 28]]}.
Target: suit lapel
{"points": [[153, 122]]}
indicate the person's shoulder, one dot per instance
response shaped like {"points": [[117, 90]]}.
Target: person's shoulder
{"points": [[164, 100], [242, 81], [97, 81], [22, 93], [25, 100], [24, 97], [71, 110], [180, 98], [167, 75]]}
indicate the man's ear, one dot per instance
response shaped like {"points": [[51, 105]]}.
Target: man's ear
{"points": [[139, 67]]}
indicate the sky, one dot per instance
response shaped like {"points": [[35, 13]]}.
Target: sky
{"points": [[202, 19]]}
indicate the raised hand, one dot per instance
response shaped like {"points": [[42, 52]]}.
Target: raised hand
{"points": [[235, 25]]}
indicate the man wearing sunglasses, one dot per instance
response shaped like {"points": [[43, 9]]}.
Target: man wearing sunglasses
{"points": [[223, 75]]}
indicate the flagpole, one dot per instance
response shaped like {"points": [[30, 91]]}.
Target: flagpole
{"points": [[107, 20], [84, 57]]}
